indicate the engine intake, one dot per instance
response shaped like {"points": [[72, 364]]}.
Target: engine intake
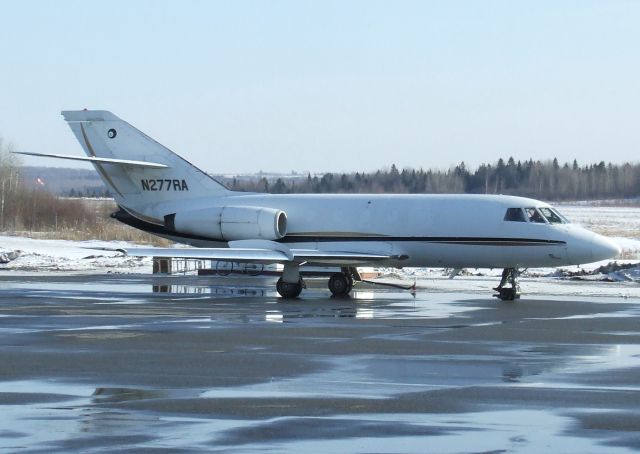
{"points": [[230, 223]]}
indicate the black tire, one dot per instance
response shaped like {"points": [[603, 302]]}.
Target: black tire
{"points": [[340, 284], [289, 290], [508, 294]]}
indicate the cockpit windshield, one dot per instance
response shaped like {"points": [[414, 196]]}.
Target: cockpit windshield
{"points": [[540, 215], [551, 216], [534, 215]]}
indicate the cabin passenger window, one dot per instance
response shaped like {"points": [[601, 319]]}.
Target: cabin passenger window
{"points": [[514, 214], [535, 216], [551, 216]]}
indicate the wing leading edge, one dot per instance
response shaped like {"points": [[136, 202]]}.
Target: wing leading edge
{"points": [[261, 251]]}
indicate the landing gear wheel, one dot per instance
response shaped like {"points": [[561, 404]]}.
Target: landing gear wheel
{"points": [[289, 290], [508, 294], [350, 279], [340, 284]]}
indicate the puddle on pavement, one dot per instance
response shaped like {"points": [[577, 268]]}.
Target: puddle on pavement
{"points": [[619, 356], [365, 304], [96, 417], [117, 395], [529, 431]]}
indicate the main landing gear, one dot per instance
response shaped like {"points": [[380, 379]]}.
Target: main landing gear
{"points": [[510, 276], [289, 289], [340, 284], [290, 284]]}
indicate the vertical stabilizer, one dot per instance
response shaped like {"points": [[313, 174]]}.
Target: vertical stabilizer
{"points": [[143, 189]]}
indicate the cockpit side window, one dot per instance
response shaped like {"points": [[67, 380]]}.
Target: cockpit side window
{"points": [[551, 216], [564, 220], [514, 214], [535, 216]]}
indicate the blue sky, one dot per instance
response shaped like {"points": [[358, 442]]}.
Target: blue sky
{"points": [[330, 85]]}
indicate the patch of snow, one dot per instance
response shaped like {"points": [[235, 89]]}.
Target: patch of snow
{"points": [[613, 221], [610, 272], [7, 256], [28, 254], [630, 247]]}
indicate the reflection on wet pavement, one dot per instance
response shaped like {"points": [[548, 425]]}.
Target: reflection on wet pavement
{"points": [[110, 363], [113, 395]]}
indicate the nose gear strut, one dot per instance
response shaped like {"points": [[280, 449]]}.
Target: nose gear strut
{"points": [[509, 275]]}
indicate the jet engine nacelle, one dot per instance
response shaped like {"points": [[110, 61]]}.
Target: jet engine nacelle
{"points": [[230, 223]]}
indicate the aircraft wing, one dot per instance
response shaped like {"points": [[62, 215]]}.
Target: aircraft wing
{"points": [[320, 258], [263, 255], [234, 255]]}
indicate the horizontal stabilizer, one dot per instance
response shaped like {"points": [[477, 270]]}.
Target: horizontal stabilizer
{"points": [[122, 162]]}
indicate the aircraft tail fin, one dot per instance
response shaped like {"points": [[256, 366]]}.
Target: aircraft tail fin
{"points": [[119, 151]]}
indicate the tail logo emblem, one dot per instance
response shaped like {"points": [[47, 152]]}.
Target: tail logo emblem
{"points": [[112, 133]]}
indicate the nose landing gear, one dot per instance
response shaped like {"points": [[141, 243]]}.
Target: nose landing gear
{"points": [[509, 275]]}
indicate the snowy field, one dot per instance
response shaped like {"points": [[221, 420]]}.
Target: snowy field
{"points": [[21, 254], [621, 223], [35, 255]]}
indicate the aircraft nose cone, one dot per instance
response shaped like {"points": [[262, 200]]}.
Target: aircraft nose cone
{"points": [[603, 248]]}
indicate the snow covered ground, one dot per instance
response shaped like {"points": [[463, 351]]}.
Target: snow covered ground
{"points": [[28, 254], [621, 223]]}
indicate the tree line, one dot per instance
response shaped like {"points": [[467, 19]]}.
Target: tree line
{"points": [[547, 180], [29, 207]]}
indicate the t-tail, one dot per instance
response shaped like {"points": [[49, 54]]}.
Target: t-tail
{"points": [[102, 134], [145, 177]]}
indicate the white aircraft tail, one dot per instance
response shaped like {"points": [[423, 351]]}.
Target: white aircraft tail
{"points": [[142, 174]]}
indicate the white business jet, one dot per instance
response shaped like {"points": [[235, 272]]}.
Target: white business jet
{"points": [[159, 192]]}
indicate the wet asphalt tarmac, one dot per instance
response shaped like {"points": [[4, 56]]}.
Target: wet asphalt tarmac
{"points": [[105, 363]]}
